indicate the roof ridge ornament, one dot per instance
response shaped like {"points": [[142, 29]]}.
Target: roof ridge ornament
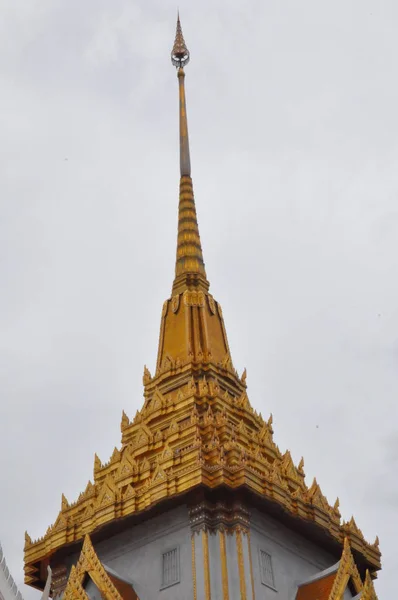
{"points": [[180, 53]]}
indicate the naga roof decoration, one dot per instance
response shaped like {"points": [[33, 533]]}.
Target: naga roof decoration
{"points": [[197, 426], [8, 587]]}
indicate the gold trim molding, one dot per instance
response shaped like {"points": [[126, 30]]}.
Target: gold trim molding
{"points": [[206, 564], [193, 568], [241, 565], [90, 564], [224, 566], [249, 544]]}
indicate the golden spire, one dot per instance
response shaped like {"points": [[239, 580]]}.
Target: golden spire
{"points": [[196, 433], [190, 269]]}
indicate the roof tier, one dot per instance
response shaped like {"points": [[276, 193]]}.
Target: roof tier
{"points": [[196, 428]]}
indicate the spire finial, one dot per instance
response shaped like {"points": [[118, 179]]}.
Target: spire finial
{"points": [[190, 269], [180, 52]]}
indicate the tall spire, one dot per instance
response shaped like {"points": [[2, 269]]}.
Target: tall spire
{"points": [[190, 270]]}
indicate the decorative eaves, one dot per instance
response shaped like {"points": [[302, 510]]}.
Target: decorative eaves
{"points": [[197, 438]]}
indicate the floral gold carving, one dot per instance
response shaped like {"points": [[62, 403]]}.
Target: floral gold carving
{"points": [[224, 566], [125, 422], [90, 564], [147, 377], [241, 565], [212, 304], [175, 303], [206, 564], [195, 594], [251, 565], [347, 569], [368, 591], [217, 437], [194, 298]]}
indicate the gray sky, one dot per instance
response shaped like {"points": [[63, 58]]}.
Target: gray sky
{"points": [[292, 112]]}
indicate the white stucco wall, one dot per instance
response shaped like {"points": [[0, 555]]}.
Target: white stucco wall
{"points": [[136, 555], [294, 558]]}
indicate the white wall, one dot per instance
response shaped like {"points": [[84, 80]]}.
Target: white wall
{"points": [[294, 558]]}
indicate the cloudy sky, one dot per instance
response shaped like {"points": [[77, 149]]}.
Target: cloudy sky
{"points": [[293, 123]]}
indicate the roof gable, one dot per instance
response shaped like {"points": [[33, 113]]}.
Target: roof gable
{"points": [[332, 583], [109, 583]]}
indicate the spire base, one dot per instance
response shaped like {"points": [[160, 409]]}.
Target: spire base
{"points": [[190, 270], [191, 282]]}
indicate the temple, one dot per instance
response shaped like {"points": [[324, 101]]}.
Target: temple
{"points": [[198, 501]]}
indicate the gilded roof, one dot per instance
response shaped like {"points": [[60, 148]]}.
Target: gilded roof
{"points": [[199, 433]]}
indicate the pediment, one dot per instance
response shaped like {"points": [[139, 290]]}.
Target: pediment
{"points": [[91, 580], [333, 583]]}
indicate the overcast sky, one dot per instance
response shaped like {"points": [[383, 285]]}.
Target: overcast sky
{"points": [[292, 110]]}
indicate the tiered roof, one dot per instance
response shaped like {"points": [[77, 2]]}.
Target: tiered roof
{"points": [[198, 434], [197, 428]]}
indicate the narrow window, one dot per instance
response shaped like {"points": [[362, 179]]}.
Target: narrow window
{"points": [[171, 568], [267, 573]]}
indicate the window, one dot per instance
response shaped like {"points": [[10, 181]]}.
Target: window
{"points": [[170, 568], [267, 573]]}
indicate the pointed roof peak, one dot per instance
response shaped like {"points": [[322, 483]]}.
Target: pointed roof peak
{"points": [[180, 53], [190, 270]]}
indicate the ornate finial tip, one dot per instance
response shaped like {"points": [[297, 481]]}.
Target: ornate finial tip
{"points": [[180, 52]]}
